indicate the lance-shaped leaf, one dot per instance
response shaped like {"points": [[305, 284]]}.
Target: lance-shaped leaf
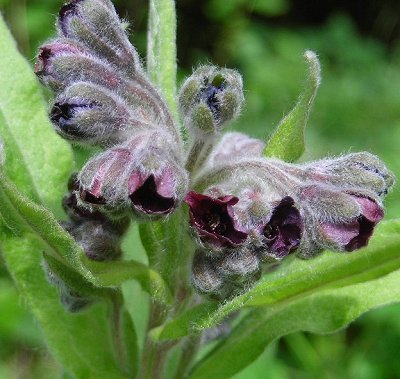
{"points": [[113, 274], [80, 342], [300, 279], [38, 161], [321, 312], [287, 141]]}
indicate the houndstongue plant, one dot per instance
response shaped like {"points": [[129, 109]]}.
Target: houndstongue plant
{"points": [[227, 221]]}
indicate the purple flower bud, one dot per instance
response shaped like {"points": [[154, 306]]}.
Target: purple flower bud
{"points": [[355, 234], [97, 239], [84, 21], [67, 11], [63, 114], [62, 62], [90, 114], [209, 98], [235, 146], [338, 219], [284, 229], [214, 219], [205, 278], [357, 171], [50, 50], [220, 278]]}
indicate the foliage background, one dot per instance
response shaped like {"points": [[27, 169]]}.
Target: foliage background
{"points": [[357, 108]]}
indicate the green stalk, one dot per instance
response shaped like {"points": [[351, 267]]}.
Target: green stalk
{"points": [[161, 48]]}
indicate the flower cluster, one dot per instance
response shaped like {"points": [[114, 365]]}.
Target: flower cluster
{"points": [[245, 210]]}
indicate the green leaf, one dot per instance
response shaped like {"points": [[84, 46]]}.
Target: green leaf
{"points": [[181, 325], [80, 342], [25, 217], [161, 48], [75, 281], [112, 274], [321, 312], [287, 141], [300, 279], [37, 160]]}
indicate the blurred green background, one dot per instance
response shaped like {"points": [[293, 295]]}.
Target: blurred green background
{"points": [[357, 108]]}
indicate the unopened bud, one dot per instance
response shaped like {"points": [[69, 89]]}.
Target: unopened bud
{"points": [[63, 62], [95, 24], [224, 277], [210, 97], [97, 239], [362, 172], [341, 221], [234, 146], [238, 265], [90, 114], [205, 278]]}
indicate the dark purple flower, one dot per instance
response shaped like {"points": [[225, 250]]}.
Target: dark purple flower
{"points": [[152, 194], [284, 230], [213, 218], [210, 96], [355, 234]]}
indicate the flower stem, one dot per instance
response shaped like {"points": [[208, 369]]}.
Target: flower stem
{"points": [[198, 153], [189, 351], [116, 331], [154, 353]]}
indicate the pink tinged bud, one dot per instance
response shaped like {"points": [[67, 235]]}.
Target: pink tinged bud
{"points": [[236, 145], [213, 219], [152, 194], [63, 61], [49, 51], [355, 234], [284, 230]]}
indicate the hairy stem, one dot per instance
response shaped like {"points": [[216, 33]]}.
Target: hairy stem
{"points": [[189, 351], [116, 331], [154, 353], [198, 154]]}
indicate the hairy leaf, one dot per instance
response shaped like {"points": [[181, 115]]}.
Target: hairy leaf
{"points": [[37, 160], [81, 342], [115, 273], [287, 141], [321, 312], [300, 279]]}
